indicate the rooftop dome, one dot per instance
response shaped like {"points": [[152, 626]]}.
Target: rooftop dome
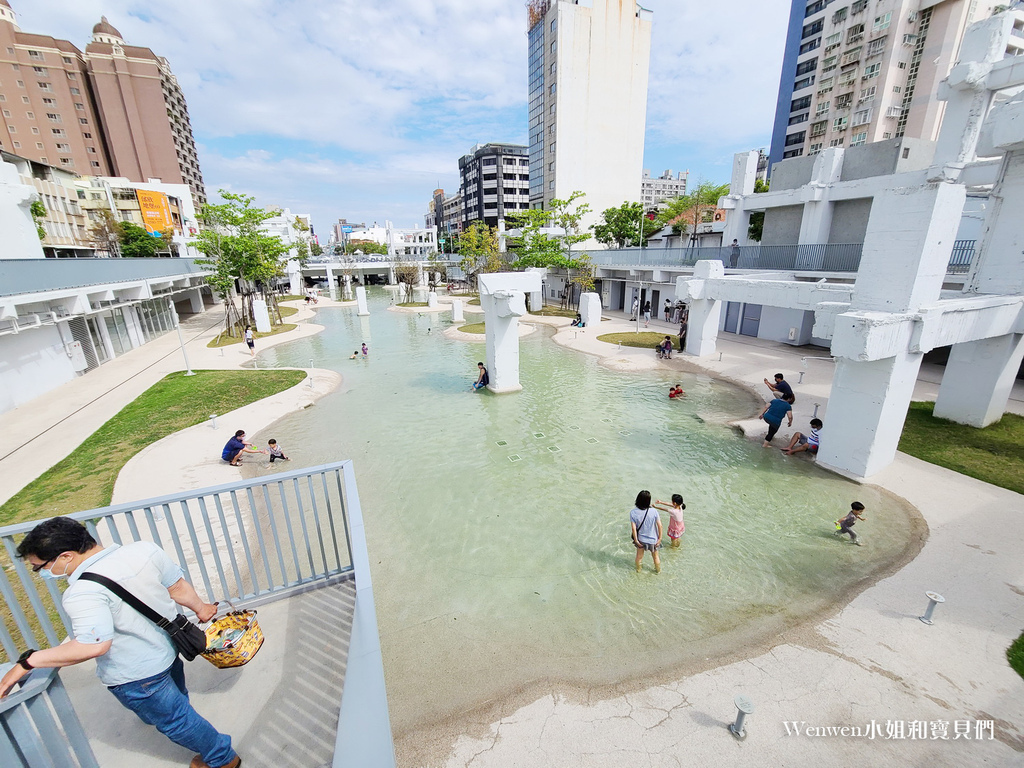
{"points": [[103, 28]]}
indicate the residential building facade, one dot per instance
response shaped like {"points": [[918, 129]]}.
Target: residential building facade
{"points": [[112, 110], [664, 187], [588, 72], [867, 70], [494, 181]]}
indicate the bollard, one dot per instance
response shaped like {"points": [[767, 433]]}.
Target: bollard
{"points": [[213, 421], [744, 707], [310, 379], [816, 407], [311, 362], [222, 351], [801, 379], [934, 598], [720, 356]]}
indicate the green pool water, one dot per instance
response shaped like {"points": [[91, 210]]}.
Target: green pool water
{"points": [[498, 524]]}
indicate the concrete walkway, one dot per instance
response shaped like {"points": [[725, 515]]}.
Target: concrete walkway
{"points": [[873, 660]]}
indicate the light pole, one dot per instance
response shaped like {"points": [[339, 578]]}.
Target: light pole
{"points": [[181, 341]]}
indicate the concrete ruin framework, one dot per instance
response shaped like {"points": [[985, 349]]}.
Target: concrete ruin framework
{"points": [[503, 300], [881, 326]]}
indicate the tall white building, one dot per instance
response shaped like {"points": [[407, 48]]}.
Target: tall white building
{"points": [[867, 70], [654, 190], [588, 64]]}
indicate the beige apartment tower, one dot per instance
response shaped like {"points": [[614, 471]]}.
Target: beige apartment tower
{"points": [[113, 110], [588, 67]]}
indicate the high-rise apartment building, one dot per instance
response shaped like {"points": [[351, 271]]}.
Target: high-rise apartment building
{"points": [[113, 110], [654, 190], [866, 70], [588, 69], [494, 181]]}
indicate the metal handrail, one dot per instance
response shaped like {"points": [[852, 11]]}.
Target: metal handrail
{"points": [[248, 542]]}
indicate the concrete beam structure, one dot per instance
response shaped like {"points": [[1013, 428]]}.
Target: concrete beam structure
{"points": [[503, 299]]}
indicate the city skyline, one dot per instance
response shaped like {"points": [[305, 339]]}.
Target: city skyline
{"points": [[367, 109]]}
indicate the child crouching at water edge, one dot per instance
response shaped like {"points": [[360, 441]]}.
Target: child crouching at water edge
{"points": [[676, 526], [645, 526]]}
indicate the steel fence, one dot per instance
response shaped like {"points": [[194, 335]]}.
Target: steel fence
{"points": [[247, 542]]}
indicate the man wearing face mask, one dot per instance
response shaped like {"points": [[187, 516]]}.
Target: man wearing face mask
{"points": [[135, 659]]}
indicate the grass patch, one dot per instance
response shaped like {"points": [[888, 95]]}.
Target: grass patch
{"points": [[463, 295], [413, 304], [474, 302], [472, 328], [994, 454], [555, 312], [85, 479], [1015, 655], [227, 341], [644, 339], [291, 297]]}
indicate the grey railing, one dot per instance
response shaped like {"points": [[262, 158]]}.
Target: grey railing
{"points": [[246, 542], [811, 257], [39, 275]]}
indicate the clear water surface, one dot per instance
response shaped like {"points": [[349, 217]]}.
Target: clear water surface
{"points": [[498, 524]]}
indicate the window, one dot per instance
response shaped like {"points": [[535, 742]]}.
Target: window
{"points": [[810, 45], [83, 121], [2, 97], [867, 93], [79, 106], [828, 64], [863, 117], [844, 101], [824, 85], [35, 130], [66, 161], [551, 167], [551, 111], [812, 29], [798, 119], [67, 60], [836, 142], [554, 24], [882, 22], [877, 46], [87, 135], [25, 100], [793, 153], [839, 16], [58, 132], [17, 145], [38, 55], [39, 145], [814, 149], [807, 82], [833, 40], [72, 76], [822, 108], [11, 129], [854, 33], [910, 39], [795, 138], [45, 87], [551, 184], [551, 90], [16, 67], [49, 101], [901, 65], [800, 104], [851, 56], [871, 70], [21, 83], [859, 138], [94, 164], [53, 117], [858, 6], [552, 147], [63, 147], [75, 92], [30, 115], [839, 124], [807, 66], [896, 89], [552, 68], [886, 135], [7, 113], [818, 129]]}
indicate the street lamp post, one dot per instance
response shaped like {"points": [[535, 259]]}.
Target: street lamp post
{"points": [[181, 340]]}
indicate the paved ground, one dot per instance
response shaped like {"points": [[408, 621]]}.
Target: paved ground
{"points": [[872, 661]]}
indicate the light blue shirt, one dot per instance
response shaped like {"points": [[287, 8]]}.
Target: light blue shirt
{"points": [[139, 648], [646, 531]]}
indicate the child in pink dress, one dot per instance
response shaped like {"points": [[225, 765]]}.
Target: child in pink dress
{"points": [[676, 526]]}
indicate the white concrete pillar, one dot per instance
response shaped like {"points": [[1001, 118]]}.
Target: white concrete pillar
{"points": [[503, 299], [816, 222], [978, 378], [866, 412], [705, 313], [590, 310], [259, 311], [457, 316], [330, 280], [361, 301], [432, 300], [346, 294], [295, 282], [195, 301]]}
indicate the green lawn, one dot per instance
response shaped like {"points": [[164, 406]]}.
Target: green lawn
{"points": [[1015, 655], [412, 304], [645, 339], [555, 312], [226, 341], [85, 479], [472, 328], [994, 454]]}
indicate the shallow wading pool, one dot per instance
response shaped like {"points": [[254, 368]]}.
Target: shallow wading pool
{"points": [[498, 524]]}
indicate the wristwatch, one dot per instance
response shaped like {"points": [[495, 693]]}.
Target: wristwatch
{"points": [[23, 659]]}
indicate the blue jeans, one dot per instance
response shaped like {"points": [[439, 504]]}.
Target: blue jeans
{"points": [[162, 701]]}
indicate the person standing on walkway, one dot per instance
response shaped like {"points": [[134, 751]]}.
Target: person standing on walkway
{"points": [[135, 658], [773, 413], [668, 308], [682, 332], [645, 526], [647, 313], [734, 254], [635, 308], [250, 340], [845, 524]]}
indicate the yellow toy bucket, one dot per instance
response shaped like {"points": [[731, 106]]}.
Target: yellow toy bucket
{"points": [[233, 639]]}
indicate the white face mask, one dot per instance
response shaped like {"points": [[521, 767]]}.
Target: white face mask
{"points": [[50, 575]]}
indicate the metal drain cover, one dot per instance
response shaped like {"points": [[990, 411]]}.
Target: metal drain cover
{"points": [[502, 442], [625, 432], [554, 448], [538, 434], [515, 457], [591, 439], [573, 426]]}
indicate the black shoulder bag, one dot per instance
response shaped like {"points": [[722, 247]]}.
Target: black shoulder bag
{"points": [[189, 640]]}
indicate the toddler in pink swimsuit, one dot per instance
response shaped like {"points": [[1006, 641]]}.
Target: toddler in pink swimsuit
{"points": [[676, 526]]}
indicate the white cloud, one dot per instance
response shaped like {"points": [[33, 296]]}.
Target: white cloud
{"points": [[357, 109]]}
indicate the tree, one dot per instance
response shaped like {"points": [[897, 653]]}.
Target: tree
{"points": [[105, 233], [316, 249], [686, 212], [408, 274], [622, 226], [756, 227], [437, 270], [546, 238], [480, 251], [366, 246], [242, 255], [302, 241], [38, 211], [136, 242]]}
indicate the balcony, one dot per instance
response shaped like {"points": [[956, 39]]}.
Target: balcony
{"points": [[290, 543]]}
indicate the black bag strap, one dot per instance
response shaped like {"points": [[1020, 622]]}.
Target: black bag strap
{"points": [[642, 523], [129, 598]]}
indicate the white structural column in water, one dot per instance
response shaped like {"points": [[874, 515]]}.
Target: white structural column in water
{"points": [[457, 316], [503, 299], [432, 300], [590, 310], [361, 300]]}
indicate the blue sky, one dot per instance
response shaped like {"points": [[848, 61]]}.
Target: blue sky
{"points": [[358, 109]]}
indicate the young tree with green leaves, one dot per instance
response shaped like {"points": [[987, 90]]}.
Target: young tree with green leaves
{"points": [[625, 226], [242, 255], [480, 251], [136, 242], [105, 233], [686, 212], [316, 249], [552, 249], [756, 227], [38, 211]]}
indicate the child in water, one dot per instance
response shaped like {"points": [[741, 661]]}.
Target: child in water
{"points": [[354, 355], [676, 526]]}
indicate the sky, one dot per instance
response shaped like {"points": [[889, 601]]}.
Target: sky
{"points": [[360, 109]]}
